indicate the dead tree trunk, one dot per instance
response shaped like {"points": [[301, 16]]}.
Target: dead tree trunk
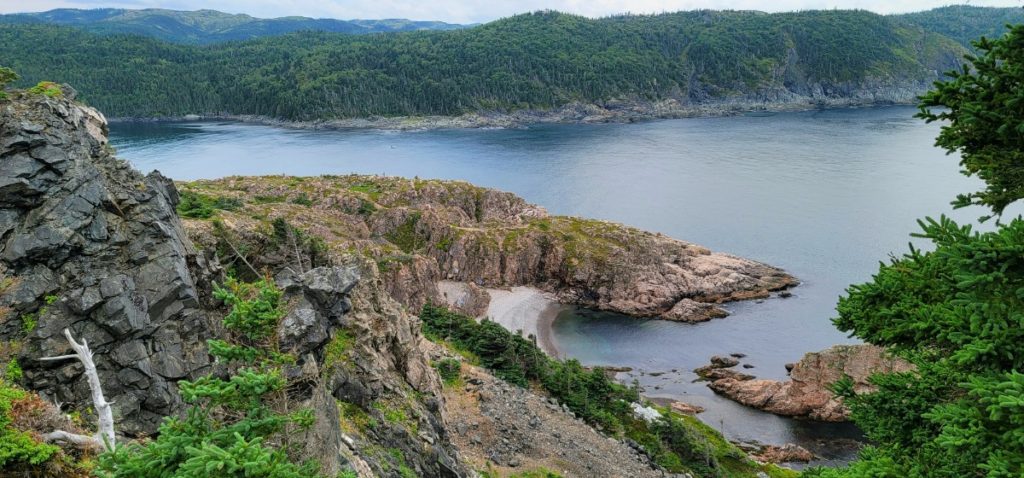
{"points": [[104, 437]]}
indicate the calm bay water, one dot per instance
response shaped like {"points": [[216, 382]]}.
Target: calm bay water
{"points": [[824, 194]]}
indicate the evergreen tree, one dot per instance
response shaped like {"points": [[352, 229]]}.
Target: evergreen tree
{"points": [[956, 312]]}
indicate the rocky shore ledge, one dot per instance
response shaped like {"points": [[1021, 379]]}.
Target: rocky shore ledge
{"points": [[421, 232], [622, 110], [808, 393]]}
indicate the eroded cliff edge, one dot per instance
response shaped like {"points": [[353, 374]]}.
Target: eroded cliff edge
{"points": [[423, 231]]}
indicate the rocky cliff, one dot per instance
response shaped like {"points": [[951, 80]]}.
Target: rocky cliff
{"points": [[808, 392], [89, 244], [422, 231]]}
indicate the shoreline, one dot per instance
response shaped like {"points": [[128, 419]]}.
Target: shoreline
{"points": [[572, 113], [521, 309], [527, 310]]}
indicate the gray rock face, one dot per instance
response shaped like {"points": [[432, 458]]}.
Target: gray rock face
{"points": [[90, 244], [322, 298]]}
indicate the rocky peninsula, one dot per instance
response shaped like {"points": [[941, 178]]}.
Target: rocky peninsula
{"points": [[420, 232], [808, 392]]}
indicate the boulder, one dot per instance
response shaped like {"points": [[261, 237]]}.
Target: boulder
{"points": [[686, 408]]}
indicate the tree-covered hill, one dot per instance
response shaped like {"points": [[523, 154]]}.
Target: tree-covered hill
{"points": [[965, 23], [539, 60], [207, 26]]}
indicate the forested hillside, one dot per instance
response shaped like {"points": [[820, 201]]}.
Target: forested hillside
{"points": [[207, 26], [531, 61], [964, 23]]}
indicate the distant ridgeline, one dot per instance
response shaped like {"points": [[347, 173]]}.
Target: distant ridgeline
{"points": [[208, 26], [532, 61]]}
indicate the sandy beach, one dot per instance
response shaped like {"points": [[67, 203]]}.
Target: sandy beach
{"points": [[521, 308]]}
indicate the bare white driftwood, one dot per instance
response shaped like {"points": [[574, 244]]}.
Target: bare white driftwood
{"points": [[104, 437]]}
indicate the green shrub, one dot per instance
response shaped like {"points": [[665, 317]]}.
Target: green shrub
{"points": [[199, 206], [448, 369], [12, 371], [18, 446], [47, 88], [302, 199]]}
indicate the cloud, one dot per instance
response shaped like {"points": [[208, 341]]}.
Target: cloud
{"points": [[471, 11]]}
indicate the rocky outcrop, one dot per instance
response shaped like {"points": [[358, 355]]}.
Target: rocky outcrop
{"points": [[808, 392], [88, 243], [465, 298], [788, 453], [361, 352], [421, 232]]}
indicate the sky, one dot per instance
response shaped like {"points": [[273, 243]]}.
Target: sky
{"points": [[476, 11]]}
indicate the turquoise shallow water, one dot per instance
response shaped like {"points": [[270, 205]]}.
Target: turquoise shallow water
{"points": [[823, 194]]}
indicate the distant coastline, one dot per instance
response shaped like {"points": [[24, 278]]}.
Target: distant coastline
{"points": [[616, 111]]}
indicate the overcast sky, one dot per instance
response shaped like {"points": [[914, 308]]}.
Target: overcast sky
{"points": [[471, 11]]}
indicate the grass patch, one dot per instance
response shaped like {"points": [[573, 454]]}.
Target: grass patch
{"points": [[268, 199], [337, 349], [302, 199], [405, 235]]}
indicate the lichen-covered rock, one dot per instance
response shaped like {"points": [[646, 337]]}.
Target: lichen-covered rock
{"points": [[808, 392], [90, 244]]}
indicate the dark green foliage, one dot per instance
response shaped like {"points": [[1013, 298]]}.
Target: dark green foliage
{"points": [[407, 236], [983, 110], [7, 76], [207, 26], [199, 206], [681, 444], [965, 23], [956, 312], [538, 60], [303, 200], [232, 429], [448, 369]]}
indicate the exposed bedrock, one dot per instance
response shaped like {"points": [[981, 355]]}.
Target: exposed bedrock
{"points": [[423, 231], [808, 392]]}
